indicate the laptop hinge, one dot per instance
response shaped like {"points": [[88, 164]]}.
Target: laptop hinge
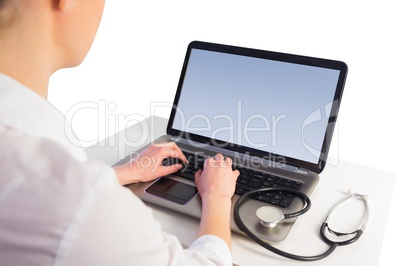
{"points": [[302, 171], [176, 139]]}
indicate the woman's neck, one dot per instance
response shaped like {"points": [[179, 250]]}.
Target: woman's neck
{"points": [[26, 57]]}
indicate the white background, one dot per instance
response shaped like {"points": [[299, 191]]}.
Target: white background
{"points": [[137, 56]]}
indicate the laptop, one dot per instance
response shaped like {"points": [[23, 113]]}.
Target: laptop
{"points": [[272, 113]]}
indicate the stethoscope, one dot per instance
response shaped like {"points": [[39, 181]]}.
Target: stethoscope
{"points": [[270, 216]]}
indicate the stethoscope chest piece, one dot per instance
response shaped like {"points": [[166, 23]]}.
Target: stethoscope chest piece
{"points": [[269, 216]]}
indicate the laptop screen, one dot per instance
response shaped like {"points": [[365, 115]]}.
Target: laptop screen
{"points": [[256, 101]]}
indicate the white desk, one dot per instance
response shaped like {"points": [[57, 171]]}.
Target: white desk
{"points": [[304, 237]]}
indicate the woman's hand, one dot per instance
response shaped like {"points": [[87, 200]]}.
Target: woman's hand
{"points": [[148, 166], [216, 185], [217, 179]]}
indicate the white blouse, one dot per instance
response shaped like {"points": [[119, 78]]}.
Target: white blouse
{"points": [[58, 208]]}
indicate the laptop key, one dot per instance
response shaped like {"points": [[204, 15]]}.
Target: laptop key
{"points": [[274, 201], [244, 187], [296, 185], [285, 202], [239, 191], [255, 182]]}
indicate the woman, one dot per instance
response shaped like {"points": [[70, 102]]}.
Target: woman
{"points": [[58, 208]]}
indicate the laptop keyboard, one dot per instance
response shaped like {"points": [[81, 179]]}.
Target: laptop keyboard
{"points": [[248, 179]]}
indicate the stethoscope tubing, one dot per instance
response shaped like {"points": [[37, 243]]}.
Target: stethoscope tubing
{"points": [[332, 244]]}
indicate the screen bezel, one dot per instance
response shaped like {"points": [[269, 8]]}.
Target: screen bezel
{"points": [[283, 57]]}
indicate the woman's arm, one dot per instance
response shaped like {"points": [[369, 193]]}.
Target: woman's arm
{"points": [[216, 185]]}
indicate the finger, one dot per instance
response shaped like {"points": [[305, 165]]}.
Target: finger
{"points": [[237, 173], [174, 154], [213, 162], [219, 156], [228, 161], [175, 151], [172, 145], [170, 169], [210, 161], [182, 156], [197, 176], [206, 161]]}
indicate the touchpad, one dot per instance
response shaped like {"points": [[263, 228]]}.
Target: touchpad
{"points": [[172, 190]]}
